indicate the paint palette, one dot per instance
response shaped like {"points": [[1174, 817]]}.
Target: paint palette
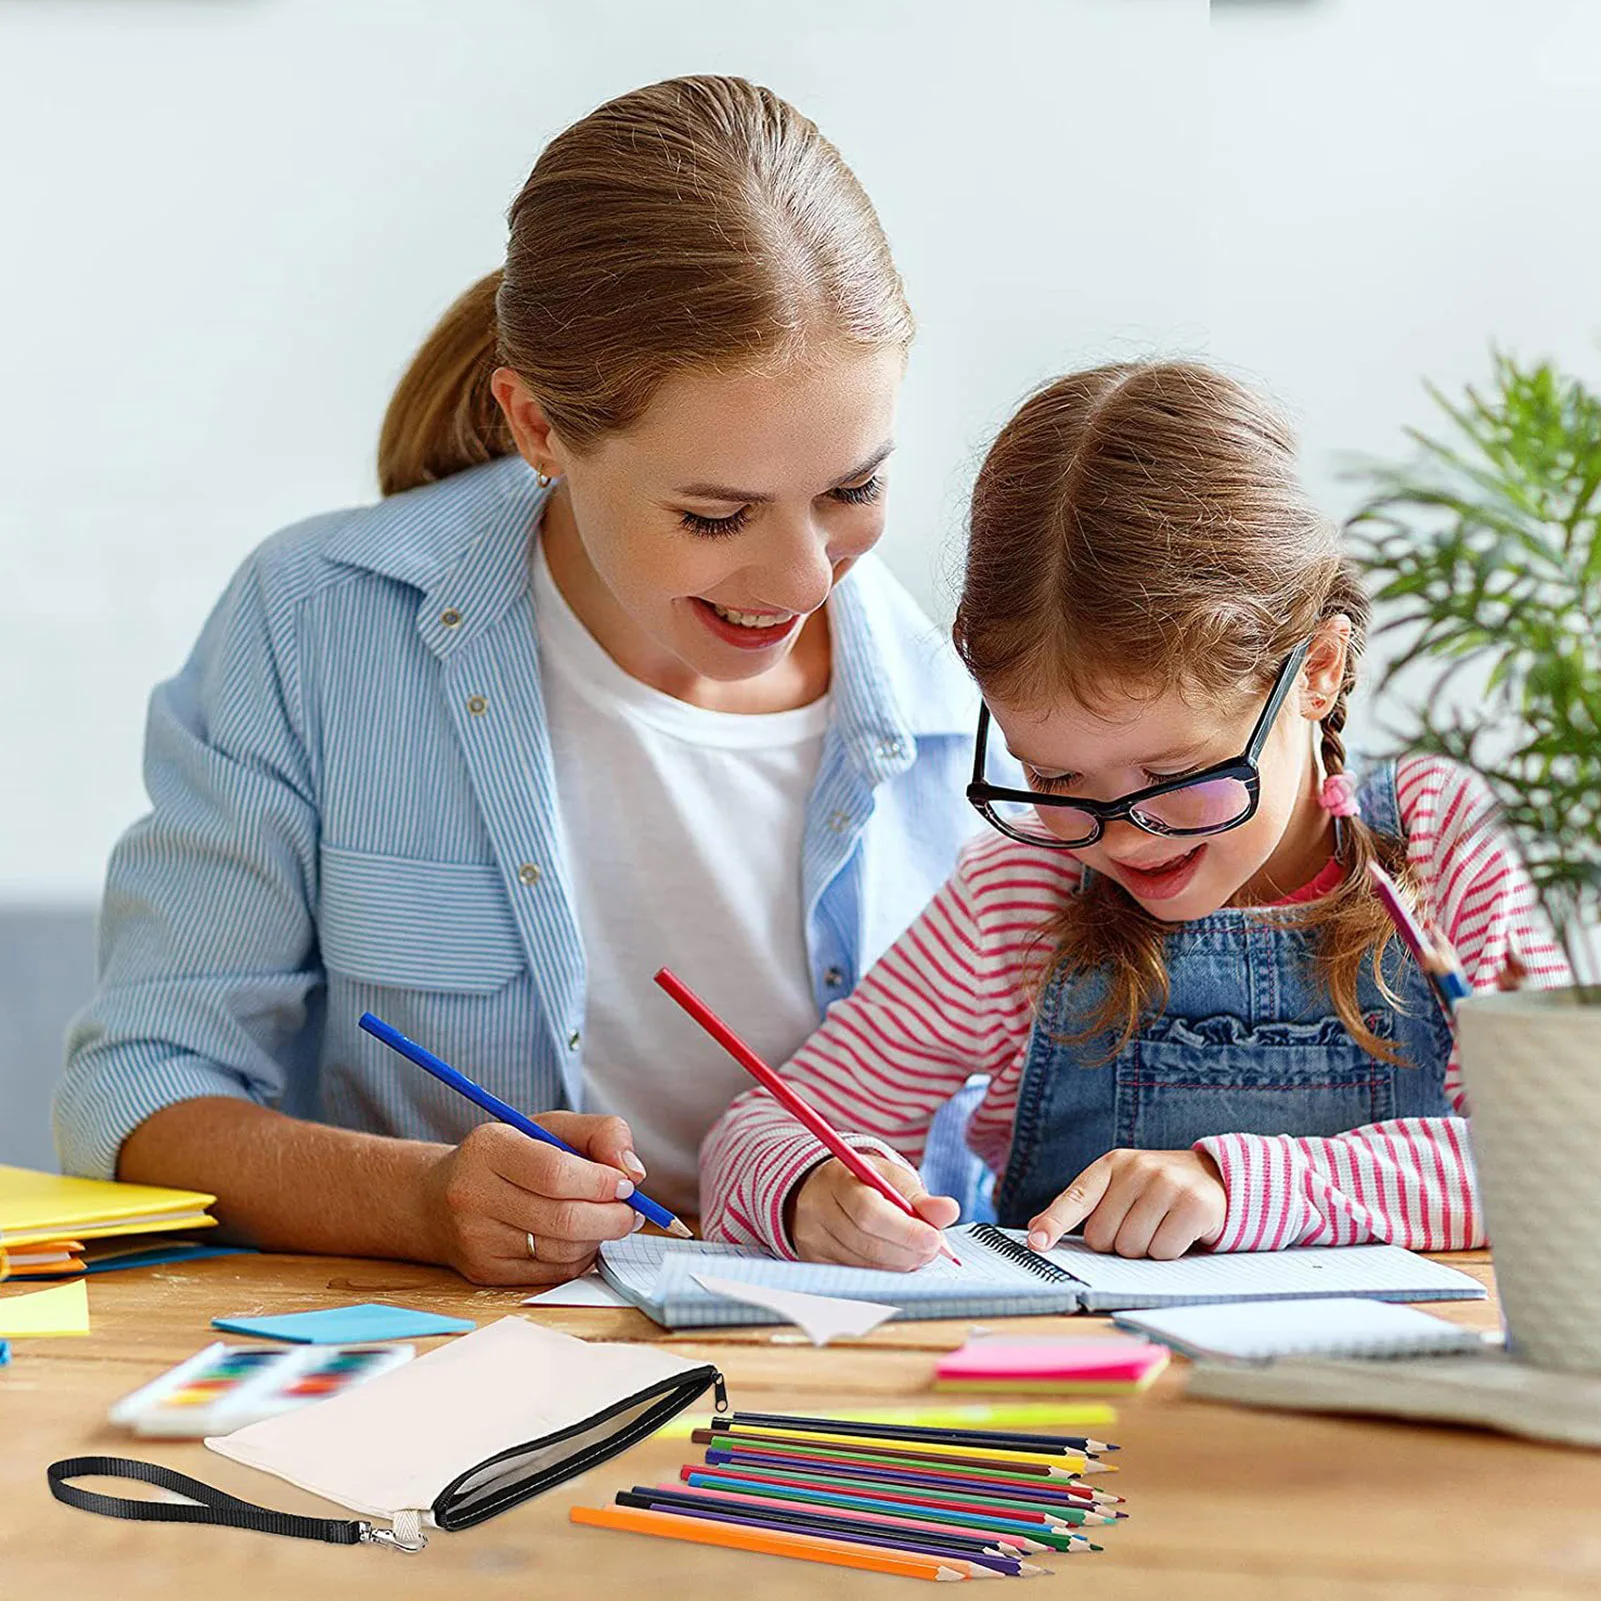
{"points": [[224, 1387]]}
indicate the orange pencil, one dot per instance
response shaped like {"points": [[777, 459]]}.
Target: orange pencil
{"points": [[803, 1113], [805, 1547]]}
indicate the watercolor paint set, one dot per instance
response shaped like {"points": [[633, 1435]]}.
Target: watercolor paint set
{"points": [[224, 1387]]}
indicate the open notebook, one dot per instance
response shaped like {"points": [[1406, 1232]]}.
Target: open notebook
{"points": [[998, 1276]]}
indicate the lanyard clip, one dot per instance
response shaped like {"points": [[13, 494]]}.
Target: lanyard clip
{"points": [[368, 1535]]}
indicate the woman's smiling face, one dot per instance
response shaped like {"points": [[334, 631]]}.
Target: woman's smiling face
{"points": [[696, 544]]}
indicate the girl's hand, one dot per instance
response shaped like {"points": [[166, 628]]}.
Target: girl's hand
{"points": [[1139, 1203], [484, 1197], [834, 1217]]}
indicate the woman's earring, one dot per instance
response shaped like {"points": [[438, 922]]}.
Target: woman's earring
{"points": [[544, 478]]}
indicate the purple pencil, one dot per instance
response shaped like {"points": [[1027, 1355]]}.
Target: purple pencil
{"points": [[844, 1524], [828, 1520], [1005, 1565], [912, 1480]]}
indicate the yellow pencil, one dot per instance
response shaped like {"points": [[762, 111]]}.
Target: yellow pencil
{"points": [[1043, 1415], [860, 1442]]}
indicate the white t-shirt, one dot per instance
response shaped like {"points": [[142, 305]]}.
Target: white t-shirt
{"points": [[684, 830]]}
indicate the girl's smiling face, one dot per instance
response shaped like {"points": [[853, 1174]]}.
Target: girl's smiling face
{"points": [[1128, 742]]}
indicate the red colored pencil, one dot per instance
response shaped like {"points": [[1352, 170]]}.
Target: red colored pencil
{"points": [[786, 1097]]}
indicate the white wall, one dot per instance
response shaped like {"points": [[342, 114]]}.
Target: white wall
{"points": [[227, 225], [1393, 186], [234, 222]]}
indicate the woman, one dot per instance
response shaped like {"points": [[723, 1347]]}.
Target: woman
{"points": [[599, 685]]}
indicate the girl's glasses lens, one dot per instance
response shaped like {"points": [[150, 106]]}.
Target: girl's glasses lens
{"points": [[1044, 825], [1197, 808]]}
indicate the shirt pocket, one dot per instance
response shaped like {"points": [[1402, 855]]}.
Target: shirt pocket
{"points": [[1184, 1079], [402, 923]]}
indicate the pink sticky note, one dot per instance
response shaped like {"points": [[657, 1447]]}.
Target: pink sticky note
{"points": [[1107, 1361]]}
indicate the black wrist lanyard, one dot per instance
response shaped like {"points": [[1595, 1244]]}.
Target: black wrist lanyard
{"points": [[214, 1506]]}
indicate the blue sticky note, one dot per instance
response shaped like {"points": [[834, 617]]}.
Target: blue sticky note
{"points": [[347, 1325], [5, 1352]]}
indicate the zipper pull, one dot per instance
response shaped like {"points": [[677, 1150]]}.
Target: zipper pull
{"points": [[720, 1389]]}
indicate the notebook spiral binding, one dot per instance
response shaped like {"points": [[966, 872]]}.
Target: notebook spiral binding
{"points": [[1015, 1251]]}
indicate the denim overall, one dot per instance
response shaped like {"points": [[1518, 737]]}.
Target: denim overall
{"points": [[1248, 1044]]}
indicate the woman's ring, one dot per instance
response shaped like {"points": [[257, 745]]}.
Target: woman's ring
{"points": [[533, 1250]]}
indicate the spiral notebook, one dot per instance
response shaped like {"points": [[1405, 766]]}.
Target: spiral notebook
{"points": [[996, 1275], [1263, 1331]]}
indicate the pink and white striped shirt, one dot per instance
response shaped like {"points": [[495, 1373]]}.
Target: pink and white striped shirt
{"points": [[947, 1000]]}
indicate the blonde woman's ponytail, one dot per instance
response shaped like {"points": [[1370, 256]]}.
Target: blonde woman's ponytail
{"points": [[442, 417]]}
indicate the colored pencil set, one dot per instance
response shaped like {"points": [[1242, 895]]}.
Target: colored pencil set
{"points": [[931, 1503]]}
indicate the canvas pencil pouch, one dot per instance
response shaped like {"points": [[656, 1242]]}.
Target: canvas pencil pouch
{"points": [[461, 1433]]}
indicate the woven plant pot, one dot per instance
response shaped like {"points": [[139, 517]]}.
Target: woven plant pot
{"points": [[1531, 1063]]}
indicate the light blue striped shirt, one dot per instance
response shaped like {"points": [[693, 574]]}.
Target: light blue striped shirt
{"points": [[354, 809]]}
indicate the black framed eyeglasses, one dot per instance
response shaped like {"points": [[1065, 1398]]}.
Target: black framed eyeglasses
{"points": [[1211, 801]]}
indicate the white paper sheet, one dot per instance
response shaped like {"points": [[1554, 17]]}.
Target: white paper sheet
{"points": [[820, 1317], [590, 1289]]}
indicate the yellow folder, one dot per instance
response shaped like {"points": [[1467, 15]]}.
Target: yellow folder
{"points": [[40, 1207]]}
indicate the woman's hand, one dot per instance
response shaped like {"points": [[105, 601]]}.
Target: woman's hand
{"points": [[834, 1217], [1139, 1203], [488, 1194]]}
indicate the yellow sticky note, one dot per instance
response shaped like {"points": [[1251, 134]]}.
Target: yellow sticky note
{"points": [[62, 1310]]}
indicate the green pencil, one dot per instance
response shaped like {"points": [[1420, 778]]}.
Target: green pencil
{"points": [[1049, 1512], [972, 1467], [1057, 1539]]}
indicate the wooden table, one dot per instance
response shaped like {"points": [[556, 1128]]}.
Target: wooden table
{"points": [[1225, 1502]]}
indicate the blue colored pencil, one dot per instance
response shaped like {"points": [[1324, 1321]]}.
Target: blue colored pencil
{"points": [[752, 1518], [953, 1484], [819, 1495], [841, 1522], [651, 1211], [984, 1441]]}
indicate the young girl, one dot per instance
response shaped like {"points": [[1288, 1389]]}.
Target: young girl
{"points": [[1166, 955], [608, 674]]}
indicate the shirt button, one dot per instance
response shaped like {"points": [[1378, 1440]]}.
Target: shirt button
{"points": [[477, 705], [573, 1040], [833, 978], [891, 747], [528, 874], [839, 821], [450, 617]]}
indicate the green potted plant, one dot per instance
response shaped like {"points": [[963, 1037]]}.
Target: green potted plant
{"points": [[1484, 553]]}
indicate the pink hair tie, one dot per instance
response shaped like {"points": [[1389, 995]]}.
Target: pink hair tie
{"points": [[1338, 795]]}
